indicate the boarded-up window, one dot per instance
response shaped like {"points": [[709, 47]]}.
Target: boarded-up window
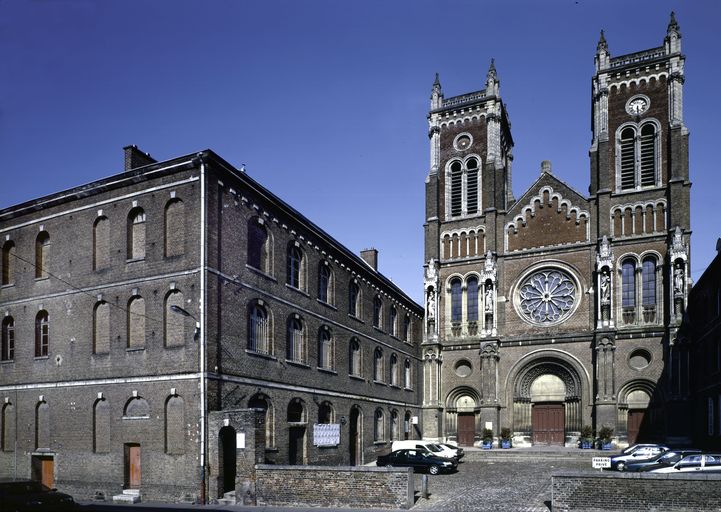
{"points": [[174, 323], [101, 328], [137, 407], [175, 425], [42, 251], [174, 228], [8, 428], [136, 322], [136, 234], [8, 262], [101, 243], [42, 425], [101, 426]]}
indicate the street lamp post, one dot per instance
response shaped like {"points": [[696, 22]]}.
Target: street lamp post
{"points": [[196, 335]]}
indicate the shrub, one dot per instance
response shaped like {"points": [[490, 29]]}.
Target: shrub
{"points": [[605, 433], [487, 434], [506, 434]]}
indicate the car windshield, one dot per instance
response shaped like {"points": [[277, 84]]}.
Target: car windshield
{"points": [[670, 457], [435, 448]]}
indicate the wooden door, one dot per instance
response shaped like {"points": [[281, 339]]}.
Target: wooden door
{"points": [[466, 428], [548, 424], [635, 419], [132, 466], [43, 470]]}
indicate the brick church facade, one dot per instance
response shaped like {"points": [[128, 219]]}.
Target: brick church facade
{"points": [[556, 310]]}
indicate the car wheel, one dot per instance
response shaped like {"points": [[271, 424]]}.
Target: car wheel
{"points": [[621, 466], [433, 470]]}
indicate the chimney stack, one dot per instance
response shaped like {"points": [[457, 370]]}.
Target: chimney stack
{"points": [[135, 158], [370, 256]]}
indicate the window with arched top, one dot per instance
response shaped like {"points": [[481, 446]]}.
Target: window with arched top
{"points": [[296, 268], [407, 382], [325, 413], [42, 425], [637, 159], [295, 347], [136, 234], [648, 278], [8, 263], [174, 335], [456, 198], [378, 365], [42, 252], [377, 312], [325, 283], [472, 186], [456, 300], [472, 299], [296, 411], [394, 370], [7, 350], [136, 322], [259, 331], [101, 328], [262, 402], [392, 321], [395, 426], [354, 302], [174, 240], [379, 433], [137, 407], [101, 243], [464, 187], [101, 426], [627, 147], [42, 334], [258, 245], [175, 425], [354, 358], [325, 349], [7, 429], [407, 328], [628, 284]]}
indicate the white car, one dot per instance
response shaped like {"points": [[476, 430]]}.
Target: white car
{"points": [[635, 453], [706, 462]]}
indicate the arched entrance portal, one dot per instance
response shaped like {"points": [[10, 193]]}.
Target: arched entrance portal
{"points": [[547, 402], [461, 415], [355, 434], [227, 462]]}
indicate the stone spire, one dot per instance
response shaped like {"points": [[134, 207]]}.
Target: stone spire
{"points": [[492, 82], [436, 94], [672, 42], [603, 57]]}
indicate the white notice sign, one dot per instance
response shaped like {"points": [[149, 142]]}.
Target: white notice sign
{"points": [[601, 462], [326, 434], [240, 440]]}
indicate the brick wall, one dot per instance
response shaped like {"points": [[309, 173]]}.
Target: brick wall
{"points": [[358, 487], [635, 491]]}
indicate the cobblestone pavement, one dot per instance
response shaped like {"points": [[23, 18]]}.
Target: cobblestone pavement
{"points": [[512, 485]]}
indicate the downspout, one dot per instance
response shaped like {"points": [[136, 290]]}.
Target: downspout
{"points": [[203, 268]]}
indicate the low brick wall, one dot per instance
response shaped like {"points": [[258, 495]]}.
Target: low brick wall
{"points": [[604, 491], [334, 486]]}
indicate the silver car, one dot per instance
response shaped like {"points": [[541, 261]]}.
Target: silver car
{"points": [[706, 462]]}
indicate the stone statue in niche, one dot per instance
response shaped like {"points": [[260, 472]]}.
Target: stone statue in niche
{"points": [[605, 287], [489, 300], [678, 279], [431, 304]]}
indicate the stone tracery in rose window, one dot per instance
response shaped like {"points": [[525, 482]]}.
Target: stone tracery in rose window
{"points": [[547, 296]]}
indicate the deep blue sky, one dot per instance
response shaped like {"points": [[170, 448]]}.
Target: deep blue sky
{"points": [[326, 101]]}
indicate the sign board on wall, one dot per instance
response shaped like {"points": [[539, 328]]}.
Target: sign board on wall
{"points": [[240, 441], [326, 434]]}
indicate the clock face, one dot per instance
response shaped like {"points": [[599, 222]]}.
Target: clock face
{"points": [[637, 106]]}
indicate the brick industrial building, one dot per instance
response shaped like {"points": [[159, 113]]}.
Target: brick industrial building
{"points": [[107, 385], [558, 310]]}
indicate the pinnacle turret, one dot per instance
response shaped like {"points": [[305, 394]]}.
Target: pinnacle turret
{"points": [[492, 81], [602, 44], [672, 42], [436, 93]]}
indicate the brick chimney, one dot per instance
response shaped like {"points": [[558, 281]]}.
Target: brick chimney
{"points": [[136, 158], [370, 256]]}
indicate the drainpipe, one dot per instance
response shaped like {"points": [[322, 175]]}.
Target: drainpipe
{"points": [[202, 345]]}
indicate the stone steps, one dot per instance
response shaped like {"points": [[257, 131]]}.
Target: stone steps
{"points": [[228, 499], [129, 496]]}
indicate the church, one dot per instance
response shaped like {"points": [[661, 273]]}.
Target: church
{"points": [[558, 310]]}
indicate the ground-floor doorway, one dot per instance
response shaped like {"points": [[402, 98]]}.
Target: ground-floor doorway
{"points": [[227, 463], [43, 469], [548, 423], [296, 445], [354, 441], [635, 419], [132, 466], [466, 428]]}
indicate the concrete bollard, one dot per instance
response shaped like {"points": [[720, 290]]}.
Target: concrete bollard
{"points": [[424, 486]]}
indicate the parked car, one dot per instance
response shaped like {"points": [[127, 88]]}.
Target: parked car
{"points": [[28, 495], [419, 460], [422, 445], [703, 462], [635, 453], [661, 460], [457, 449]]}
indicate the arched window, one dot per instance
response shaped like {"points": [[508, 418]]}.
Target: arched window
{"points": [[8, 262], [7, 434], [407, 374], [325, 283], [394, 370], [101, 426], [354, 358], [472, 186], [638, 153], [101, 243], [392, 319], [174, 228], [296, 275], [378, 365], [296, 411], [258, 329], [136, 322], [456, 300], [136, 234], [42, 252], [407, 328], [42, 425], [648, 278], [42, 334], [647, 161], [7, 351], [262, 402], [295, 344], [472, 302], [325, 349], [628, 284], [379, 433], [325, 413], [174, 323], [377, 312], [175, 425], [137, 407], [354, 299], [456, 189], [395, 426], [258, 245], [101, 328], [628, 158]]}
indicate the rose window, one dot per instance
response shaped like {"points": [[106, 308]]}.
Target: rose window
{"points": [[547, 297]]}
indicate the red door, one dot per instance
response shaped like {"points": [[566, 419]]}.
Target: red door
{"points": [[132, 466], [548, 424], [635, 418], [466, 428]]}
